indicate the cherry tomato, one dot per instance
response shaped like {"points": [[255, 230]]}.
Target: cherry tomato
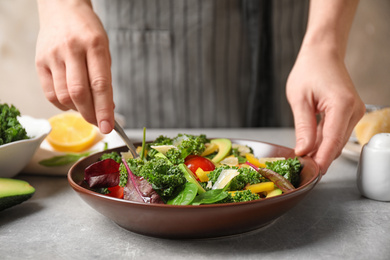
{"points": [[194, 162], [116, 192]]}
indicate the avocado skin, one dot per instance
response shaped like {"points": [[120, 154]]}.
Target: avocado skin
{"points": [[14, 192], [11, 201]]}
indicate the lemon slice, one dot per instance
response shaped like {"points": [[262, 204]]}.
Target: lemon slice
{"points": [[71, 133]]}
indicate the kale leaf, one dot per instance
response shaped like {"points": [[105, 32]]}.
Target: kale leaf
{"points": [[186, 145], [164, 177], [10, 128], [241, 196], [113, 155], [289, 169], [247, 175]]}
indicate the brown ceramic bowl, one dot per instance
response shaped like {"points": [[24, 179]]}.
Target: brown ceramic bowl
{"points": [[204, 221]]}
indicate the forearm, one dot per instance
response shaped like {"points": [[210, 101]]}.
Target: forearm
{"points": [[329, 24]]}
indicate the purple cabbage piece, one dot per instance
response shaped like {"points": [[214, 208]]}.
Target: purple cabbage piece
{"points": [[102, 174]]}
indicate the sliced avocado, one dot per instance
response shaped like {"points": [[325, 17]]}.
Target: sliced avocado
{"points": [[224, 148], [273, 193], [13, 192], [190, 177]]}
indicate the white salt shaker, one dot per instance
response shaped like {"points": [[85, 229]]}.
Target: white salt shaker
{"points": [[373, 174]]}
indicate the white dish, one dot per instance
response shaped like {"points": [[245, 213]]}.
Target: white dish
{"points": [[45, 151], [16, 155]]}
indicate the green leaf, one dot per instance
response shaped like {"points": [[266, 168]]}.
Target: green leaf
{"points": [[63, 159], [210, 197], [186, 196]]}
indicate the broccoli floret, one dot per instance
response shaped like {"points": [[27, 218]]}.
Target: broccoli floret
{"points": [[10, 128], [164, 177], [289, 169], [241, 196], [113, 155], [246, 176]]}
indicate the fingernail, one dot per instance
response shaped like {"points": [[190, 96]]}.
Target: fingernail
{"points": [[105, 127]]}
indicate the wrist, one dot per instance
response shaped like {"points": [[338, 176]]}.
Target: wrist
{"points": [[325, 41], [49, 9]]}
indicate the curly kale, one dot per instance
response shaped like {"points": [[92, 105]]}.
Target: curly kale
{"points": [[240, 156], [10, 128], [134, 164], [236, 153], [213, 176], [164, 177], [289, 169], [241, 196], [186, 145], [247, 175], [190, 144], [175, 156], [113, 155], [161, 140]]}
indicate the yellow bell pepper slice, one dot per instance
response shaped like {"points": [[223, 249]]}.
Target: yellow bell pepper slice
{"points": [[202, 175], [253, 160], [261, 187]]}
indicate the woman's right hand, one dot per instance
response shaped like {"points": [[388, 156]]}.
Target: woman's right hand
{"points": [[73, 60]]}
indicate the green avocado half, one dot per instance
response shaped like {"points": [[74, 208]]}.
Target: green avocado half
{"points": [[13, 192]]}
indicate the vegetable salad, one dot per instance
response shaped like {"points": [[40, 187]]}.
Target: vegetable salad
{"points": [[192, 170]]}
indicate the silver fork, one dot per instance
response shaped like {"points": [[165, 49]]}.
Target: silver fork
{"points": [[126, 139]]}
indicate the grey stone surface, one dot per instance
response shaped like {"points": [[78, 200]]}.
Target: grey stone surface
{"points": [[333, 222]]}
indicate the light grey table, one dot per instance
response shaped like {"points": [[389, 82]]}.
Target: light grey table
{"points": [[333, 222]]}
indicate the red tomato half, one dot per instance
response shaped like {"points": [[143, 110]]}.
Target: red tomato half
{"points": [[116, 192], [194, 162]]}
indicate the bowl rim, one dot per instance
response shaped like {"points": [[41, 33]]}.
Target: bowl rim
{"points": [[46, 128], [307, 186]]}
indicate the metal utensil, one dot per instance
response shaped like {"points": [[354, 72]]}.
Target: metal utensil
{"points": [[126, 139]]}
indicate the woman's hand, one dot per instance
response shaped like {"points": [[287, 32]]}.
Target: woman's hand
{"points": [[319, 85], [73, 60]]}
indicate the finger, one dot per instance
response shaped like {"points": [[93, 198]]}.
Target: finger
{"points": [[78, 85], [335, 128], [47, 85], [319, 136], [60, 85], [305, 126], [99, 64]]}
